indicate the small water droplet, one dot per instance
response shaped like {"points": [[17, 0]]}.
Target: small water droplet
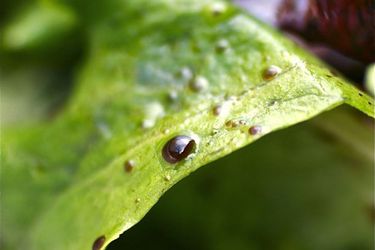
{"points": [[271, 72], [153, 111], [167, 177], [271, 103], [231, 124], [215, 132], [235, 123], [138, 200], [218, 8], [178, 148], [221, 109], [222, 45], [129, 165], [98, 243], [199, 84], [104, 130], [186, 73], [254, 130], [172, 95], [147, 123]]}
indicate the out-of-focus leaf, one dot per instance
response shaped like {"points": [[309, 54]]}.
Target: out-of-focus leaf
{"points": [[38, 26], [64, 182]]}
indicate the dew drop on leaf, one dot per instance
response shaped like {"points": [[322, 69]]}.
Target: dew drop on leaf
{"points": [[254, 130], [221, 109], [152, 111], [173, 95], [98, 243], [148, 123], [129, 165], [218, 8], [271, 72], [178, 148], [186, 73], [222, 45], [199, 84]]}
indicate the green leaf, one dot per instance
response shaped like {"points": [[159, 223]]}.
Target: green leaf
{"points": [[38, 26], [294, 189], [64, 181]]}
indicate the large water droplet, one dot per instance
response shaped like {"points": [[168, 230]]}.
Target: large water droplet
{"points": [[271, 72], [178, 148], [98, 243]]}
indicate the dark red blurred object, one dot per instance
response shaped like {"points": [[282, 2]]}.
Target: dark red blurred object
{"points": [[340, 32], [347, 26]]}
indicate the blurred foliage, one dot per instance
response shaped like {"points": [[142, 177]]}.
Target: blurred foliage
{"points": [[63, 181]]}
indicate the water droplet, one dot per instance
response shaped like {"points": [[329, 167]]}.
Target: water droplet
{"points": [[153, 111], [172, 95], [221, 109], [178, 148], [138, 200], [129, 165], [271, 103], [104, 130], [254, 130], [271, 72], [231, 124], [148, 123], [222, 45], [199, 84], [98, 243], [242, 122], [218, 8], [167, 178], [235, 123], [186, 73], [215, 131]]}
